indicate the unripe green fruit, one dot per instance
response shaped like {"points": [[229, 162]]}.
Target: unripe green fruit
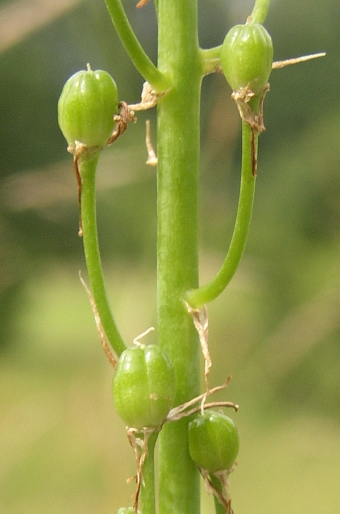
{"points": [[143, 386], [213, 441], [86, 108], [247, 57]]}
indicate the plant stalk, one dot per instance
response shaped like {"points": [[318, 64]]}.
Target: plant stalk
{"points": [[148, 477], [143, 64], [87, 167], [177, 254], [198, 297], [260, 11]]}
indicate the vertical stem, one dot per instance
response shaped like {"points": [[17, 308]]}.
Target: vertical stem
{"points": [[148, 475], [198, 297], [260, 11], [178, 161], [87, 167], [137, 55], [219, 508]]}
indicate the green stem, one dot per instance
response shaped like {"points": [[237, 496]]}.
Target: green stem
{"points": [[159, 81], [219, 508], [177, 259], [260, 11], [198, 297], [148, 477], [87, 167], [211, 59]]}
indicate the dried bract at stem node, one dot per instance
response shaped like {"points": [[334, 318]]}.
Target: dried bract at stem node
{"points": [[149, 98], [242, 98], [139, 444], [201, 322], [78, 149], [222, 496], [122, 119]]}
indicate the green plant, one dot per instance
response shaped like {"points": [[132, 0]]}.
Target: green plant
{"points": [[143, 386], [213, 441], [174, 86], [86, 108], [247, 57], [213, 446]]}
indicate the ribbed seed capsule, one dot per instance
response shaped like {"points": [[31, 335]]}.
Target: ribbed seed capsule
{"points": [[247, 57], [86, 108], [143, 386], [213, 441]]}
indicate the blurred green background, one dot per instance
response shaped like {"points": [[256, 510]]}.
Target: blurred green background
{"points": [[277, 327]]}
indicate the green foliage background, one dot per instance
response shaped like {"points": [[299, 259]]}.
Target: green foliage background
{"points": [[277, 327]]}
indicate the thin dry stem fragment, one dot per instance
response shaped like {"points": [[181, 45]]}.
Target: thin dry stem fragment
{"points": [[99, 326], [122, 119], [255, 121], [149, 99], [77, 150], [140, 450], [201, 322], [223, 477], [222, 496], [181, 410], [253, 153], [203, 406], [152, 157], [296, 60], [80, 185], [141, 3], [136, 340]]}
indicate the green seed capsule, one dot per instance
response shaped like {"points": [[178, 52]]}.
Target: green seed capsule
{"points": [[247, 57], [143, 386], [213, 441], [86, 108]]}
